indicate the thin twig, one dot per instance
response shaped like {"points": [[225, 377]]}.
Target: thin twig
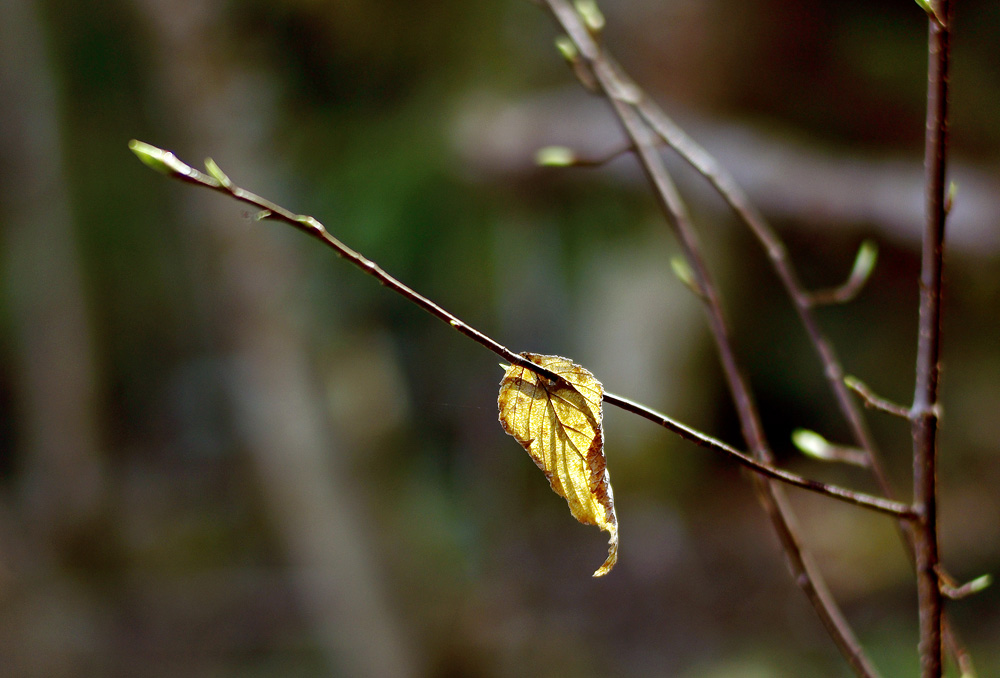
{"points": [[814, 445], [955, 591], [562, 156], [864, 264], [925, 398], [218, 181], [893, 508], [628, 100], [873, 401], [169, 164]]}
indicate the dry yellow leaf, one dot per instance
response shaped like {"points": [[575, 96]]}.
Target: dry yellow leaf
{"points": [[559, 424]]}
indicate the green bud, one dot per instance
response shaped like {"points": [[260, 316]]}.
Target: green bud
{"points": [[864, 262], [682, 270], [980, 583], [949, 200], [811, 443], [567, 48], [162, 161], [555, 156], [591, 15], [217, 173]]}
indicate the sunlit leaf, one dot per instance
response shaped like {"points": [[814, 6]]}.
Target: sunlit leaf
{"points": [[559, 424]]}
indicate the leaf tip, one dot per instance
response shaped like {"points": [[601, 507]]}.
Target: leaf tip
{"points": [[612, 558]]}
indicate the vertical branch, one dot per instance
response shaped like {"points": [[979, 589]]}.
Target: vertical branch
{"points": [[707, 166], [925, 399]]}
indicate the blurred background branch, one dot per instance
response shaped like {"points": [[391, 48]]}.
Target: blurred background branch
{"points": [[821, 188], [50, 359], [214, 101]]}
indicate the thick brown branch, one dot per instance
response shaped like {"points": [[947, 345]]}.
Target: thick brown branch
{"points": [[874, 401], [925, 398]]}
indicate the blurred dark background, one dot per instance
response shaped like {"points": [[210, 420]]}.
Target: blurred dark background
{"points": [[224, 452]]}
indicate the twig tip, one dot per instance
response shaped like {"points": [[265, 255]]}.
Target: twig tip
{"points": [[162, 161]]}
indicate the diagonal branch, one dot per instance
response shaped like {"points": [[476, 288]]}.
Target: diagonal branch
{"points": [[776, 251], [870, 399], [216, 180], [888, 507], [627, 101]]}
